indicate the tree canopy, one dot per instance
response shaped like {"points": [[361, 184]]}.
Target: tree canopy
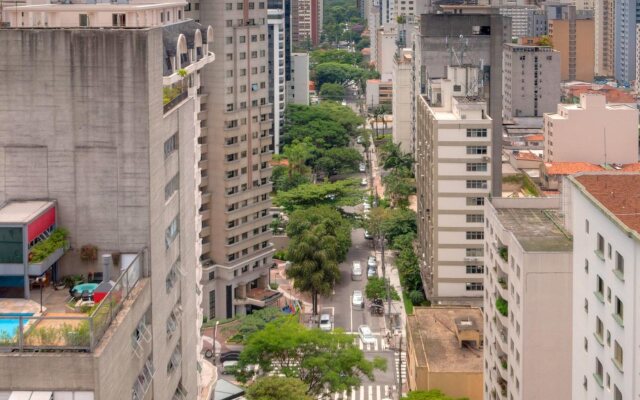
{"points": [[302, 220], [434, 394], [278, 388], [339, 193], [377, 289], [332, 91], [338, 160], [322, 360], [322, 56], [325, 125], [342, 74]]}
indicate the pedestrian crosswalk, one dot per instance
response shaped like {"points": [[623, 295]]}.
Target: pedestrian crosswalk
{"points": [[380, 344], [400, 360], [365, 392]]}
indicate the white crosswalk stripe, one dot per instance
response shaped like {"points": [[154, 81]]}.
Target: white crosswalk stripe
{"points": [[379, 345], [403, 365], [365, 392]]}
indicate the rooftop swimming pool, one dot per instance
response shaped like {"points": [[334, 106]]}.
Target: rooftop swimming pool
{"points": [[9, 326]]}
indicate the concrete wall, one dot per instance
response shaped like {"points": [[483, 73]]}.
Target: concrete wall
{"points": [[298, 86], [402, 104]]}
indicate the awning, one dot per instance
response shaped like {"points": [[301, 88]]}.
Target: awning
{"points": [[226, 390]]}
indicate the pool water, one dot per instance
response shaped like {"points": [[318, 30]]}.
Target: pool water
{"points": [[9, 326]]}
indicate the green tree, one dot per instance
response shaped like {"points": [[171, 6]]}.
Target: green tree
{"points": [[304, 219], [545, 40], [325, 125], [332, 91], [322, 360], [283, 181], [335, 55], [257, 320], [377, 289], [315, 263], [434, 394], [344, 192], [399, 185], [297, 154], [278, 388], [392, 157], [339, 160], [399, 221]]}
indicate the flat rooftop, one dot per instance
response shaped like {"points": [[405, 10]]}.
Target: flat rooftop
{"points": [[433, 338], [537, 229], [619, 193], [22, 212]]}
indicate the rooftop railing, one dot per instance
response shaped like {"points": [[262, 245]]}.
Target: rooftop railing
{"points": [[74, 332]]}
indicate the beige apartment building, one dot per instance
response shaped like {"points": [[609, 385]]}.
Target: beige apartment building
{"points": [[530, 80], [236, 148], [574, 39], [453, 177], [108, 122], [527, 300], [401, 100], [604, 11], [592, 131]]}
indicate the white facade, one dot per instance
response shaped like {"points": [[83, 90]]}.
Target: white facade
{"points": [[528, 268], [387, 37], [373, 23], [606, 283], [401, 101], [298, 86], [277, 51], [637, 57], [453, 177]]}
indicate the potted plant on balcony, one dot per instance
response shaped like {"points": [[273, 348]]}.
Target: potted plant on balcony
{"points": [[89, 252]]}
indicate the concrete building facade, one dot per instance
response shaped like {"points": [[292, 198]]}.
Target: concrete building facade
{"points": [[592, 131], [574, 39], [531, 80], [306, 23], [401, 101], [298, 86], [277, 56], [604, 14], [125, 181], [528, 259], [605, 284], [453, 178], [236, 171]]}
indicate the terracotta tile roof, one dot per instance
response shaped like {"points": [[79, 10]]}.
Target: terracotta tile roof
{"points": [[527, 156], [284, 162], [534, 138], [570, 168], [618, 193], [631, 167]]}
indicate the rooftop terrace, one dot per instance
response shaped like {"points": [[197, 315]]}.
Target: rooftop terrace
{"points": [[536, 229]]}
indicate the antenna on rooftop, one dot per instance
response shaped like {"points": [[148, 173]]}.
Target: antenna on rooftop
{"points": [[604, 137]]}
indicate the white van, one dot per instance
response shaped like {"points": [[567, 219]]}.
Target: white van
{"points": [[356, 271]]}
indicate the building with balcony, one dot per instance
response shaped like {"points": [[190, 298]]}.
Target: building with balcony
{"points": [[573, 36], [444, 347], [108, 122], [527, 300], [605, 225], [592, 131], [277, 56], [531, 80], [453, 178], [306, 24], [236, 147]]}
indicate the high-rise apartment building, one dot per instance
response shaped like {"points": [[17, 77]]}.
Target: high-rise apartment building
{"points": [[277, 56], [528, 278], [401, 100], [526, 21], [530, 80], [306, 23], [108, 150], [605, 228], [237, 145], [298, 86], [453, 178], [592, 131], [461, 39], [573, 36], [605, 14]]}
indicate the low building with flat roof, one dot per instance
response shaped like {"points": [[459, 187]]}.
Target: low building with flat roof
{"points": [[444, 350]]}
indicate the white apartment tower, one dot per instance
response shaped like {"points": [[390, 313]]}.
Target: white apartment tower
{"points": [[453, 175], [606, 260], [277, 51], [527, 301], [401, 100]]}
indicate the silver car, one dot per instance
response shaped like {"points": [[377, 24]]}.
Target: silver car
{"points": [[357, 300], [372, 262], [366, 335], [325, 323]]}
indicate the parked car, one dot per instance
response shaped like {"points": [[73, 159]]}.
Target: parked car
{"points": [[356, 271], [367, 235], [362, 167], [359, 139], [371, 272], [357, 300], [366, 206], [372, 262], [364, 182], [366, 335], [344, 103], [325, 323]]}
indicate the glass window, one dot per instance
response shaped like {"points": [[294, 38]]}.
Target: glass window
{"points": [[172, 231], [171, 145], [477, 132], [11, 245]]}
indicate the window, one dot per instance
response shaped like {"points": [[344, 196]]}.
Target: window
{"points": [[474, 286], [475, 269], [600, 244], [619, 315], [618, 356], [586, 266], [586, 225], [172, 186], [475, 235], [171, 145], [228, 40], [599, 329], [228, 6], [476, 167], [477, 132], [172, 275], [475, 201], [118, 20], [600, 288], [619, 264], [609, 250], [477, 184], [474, 252], [598, 373], [617, 395], [476, 149], [172, 231], [242, 39], [471, 218]]}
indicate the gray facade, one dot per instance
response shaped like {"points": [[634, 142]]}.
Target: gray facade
{"points": [[531, 81], [82, 122], [439, 45]]}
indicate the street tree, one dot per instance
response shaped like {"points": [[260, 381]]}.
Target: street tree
{"points": [[302, 220], [314, 258], [338, 160], [392, 157], [335, 55], [339, 193], [434, 394], [325, 125], [284, 179], [297, 155], [332, 91], [278, 388], [324, 361], [377, 289], [399, 184]]}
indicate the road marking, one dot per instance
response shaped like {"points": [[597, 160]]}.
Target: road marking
{"points": [[370, 392], [361, 393], [351, 312], [378, 392]]}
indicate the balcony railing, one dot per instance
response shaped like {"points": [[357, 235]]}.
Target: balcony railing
{"points": [[172, 98], [76, 333]]}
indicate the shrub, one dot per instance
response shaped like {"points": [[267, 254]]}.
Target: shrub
{"points": [[274, 285], [502, 306], [280, 255], [44, 248]]}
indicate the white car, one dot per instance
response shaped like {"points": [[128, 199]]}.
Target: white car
{"points": [[344, 103], [367, 206], [372, 262], [364, 182], [367, 235], [325, 323], [357, 300], [359, 139], [362, 167], [366, 335]]}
